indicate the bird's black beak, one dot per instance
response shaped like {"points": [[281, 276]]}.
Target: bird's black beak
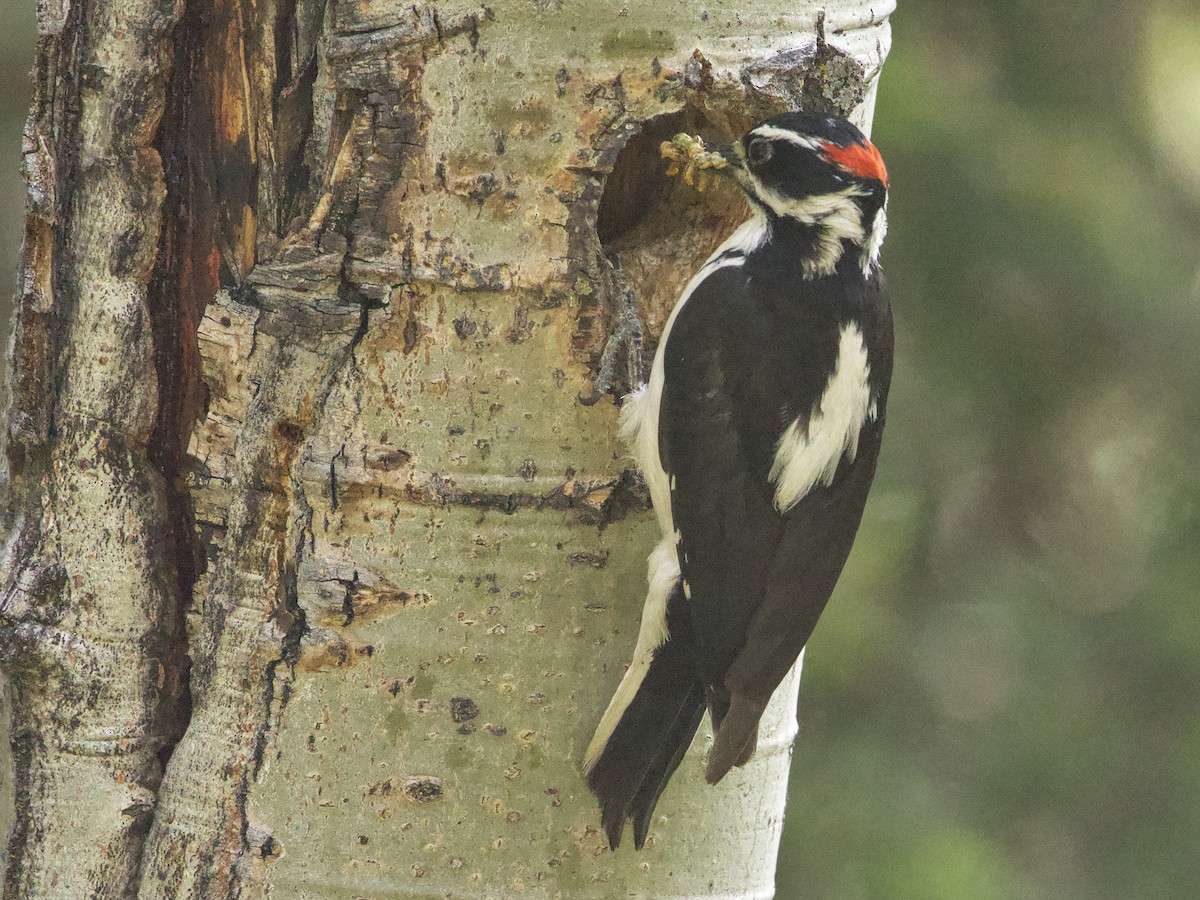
{"points": [[731, 152]]}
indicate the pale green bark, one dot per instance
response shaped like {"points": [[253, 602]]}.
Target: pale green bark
{"points": [[426, 558]]}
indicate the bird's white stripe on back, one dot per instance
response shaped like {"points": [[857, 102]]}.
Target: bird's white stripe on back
{"points": [[808, 455], [639, 428]]}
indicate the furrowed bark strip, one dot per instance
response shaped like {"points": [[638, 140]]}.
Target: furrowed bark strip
{"points": [[306, 316], [89, 611]]}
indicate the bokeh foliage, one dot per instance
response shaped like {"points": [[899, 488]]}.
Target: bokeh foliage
{"points": [[18, 35], [1002, 698]]}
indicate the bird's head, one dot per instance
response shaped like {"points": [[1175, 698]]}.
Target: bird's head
{"points": [[818, 170]]}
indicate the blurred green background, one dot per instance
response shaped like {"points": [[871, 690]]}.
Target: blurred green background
{"points": [[18, 35], [1003, 700]]}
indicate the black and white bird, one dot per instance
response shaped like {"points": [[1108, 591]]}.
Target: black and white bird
{"points": [[757, 434]]}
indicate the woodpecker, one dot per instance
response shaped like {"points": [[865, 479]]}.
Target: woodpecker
{"points": [[757, 433]]}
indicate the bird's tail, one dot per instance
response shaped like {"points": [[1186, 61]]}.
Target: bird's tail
{"points": [[647, 729], [735, 730]]}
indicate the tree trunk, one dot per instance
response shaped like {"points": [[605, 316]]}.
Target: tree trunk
{"points": [[324, 559]]}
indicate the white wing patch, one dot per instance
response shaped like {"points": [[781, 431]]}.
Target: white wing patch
{"points": [[808, 456]]}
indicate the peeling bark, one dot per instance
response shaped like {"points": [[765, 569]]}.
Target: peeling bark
{"points": [[336, 377]]}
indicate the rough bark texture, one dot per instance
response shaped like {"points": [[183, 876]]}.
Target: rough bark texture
{"points": [[356, 416], [90, 612]]}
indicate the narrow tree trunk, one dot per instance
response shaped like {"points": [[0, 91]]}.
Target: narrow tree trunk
{"points": [[324, 313], [91, 637]]}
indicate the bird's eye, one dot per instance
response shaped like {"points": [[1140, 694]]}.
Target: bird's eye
{"points": [[759, 151]]}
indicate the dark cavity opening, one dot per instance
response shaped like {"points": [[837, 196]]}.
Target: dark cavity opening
{"points": [[658, 230]]}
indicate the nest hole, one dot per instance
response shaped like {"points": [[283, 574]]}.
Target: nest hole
{"points": [[658, 229]]}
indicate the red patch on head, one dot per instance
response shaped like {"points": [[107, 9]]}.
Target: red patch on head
{"points": [[861, 160]]}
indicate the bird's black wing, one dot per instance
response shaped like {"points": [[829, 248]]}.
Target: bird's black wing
{"points": [[739, 369], [817, 536], [723, 409], [820, 529]]}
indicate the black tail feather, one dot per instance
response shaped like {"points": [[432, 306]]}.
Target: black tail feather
{"points": [[651, 737], [737, 738], [717, 696], [675, 744]]}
